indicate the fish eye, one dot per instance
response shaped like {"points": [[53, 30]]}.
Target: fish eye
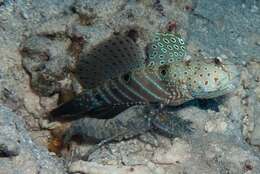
{"points": [[126, 77], [163, 72], [217, 61], [98, 97]]}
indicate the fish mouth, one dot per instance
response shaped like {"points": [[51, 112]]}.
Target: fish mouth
{"points": [[229, 87], [223, 90]]}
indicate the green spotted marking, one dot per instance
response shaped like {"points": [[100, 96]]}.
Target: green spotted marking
{"points": [[165, 48]]}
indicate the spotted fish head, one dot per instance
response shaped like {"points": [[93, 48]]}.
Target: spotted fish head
{"points": [[207, 78], [212, 78]]}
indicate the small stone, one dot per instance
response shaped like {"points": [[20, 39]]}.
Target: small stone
{"points": [[179, 151], [31, 103], [40, 137], [8, 147], [48, 103], [218, 125], [245, 79], [257, 43], [257, 92], [148, 147], [94, 168], [255, 138], [45, 124], [187, 57], [24, 14]]}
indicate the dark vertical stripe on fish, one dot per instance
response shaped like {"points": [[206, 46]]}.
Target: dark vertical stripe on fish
{"points": [[103, 95], [131, 90], [155, 85], [121, 92], [144, 87]]}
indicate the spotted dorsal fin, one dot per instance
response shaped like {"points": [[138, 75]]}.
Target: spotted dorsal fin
{"points": [[165, 48], [117, 55]]}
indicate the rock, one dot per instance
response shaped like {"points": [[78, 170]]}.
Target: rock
{"points": [[222, 27], [180, 149], [251, 103], [255, 138], [56, 26], [18, 152], [42, 40], [218, 125], [94, 168], [8, 147], [257, 92], [45, 59]]}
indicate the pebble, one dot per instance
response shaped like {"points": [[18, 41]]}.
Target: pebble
{"points": [[8, 147]]}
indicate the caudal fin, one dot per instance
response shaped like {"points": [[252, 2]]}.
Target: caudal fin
{"points": [[72, 109]]}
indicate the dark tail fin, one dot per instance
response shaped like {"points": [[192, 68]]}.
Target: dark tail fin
{"points": [[71, 109], [82, 106]]}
